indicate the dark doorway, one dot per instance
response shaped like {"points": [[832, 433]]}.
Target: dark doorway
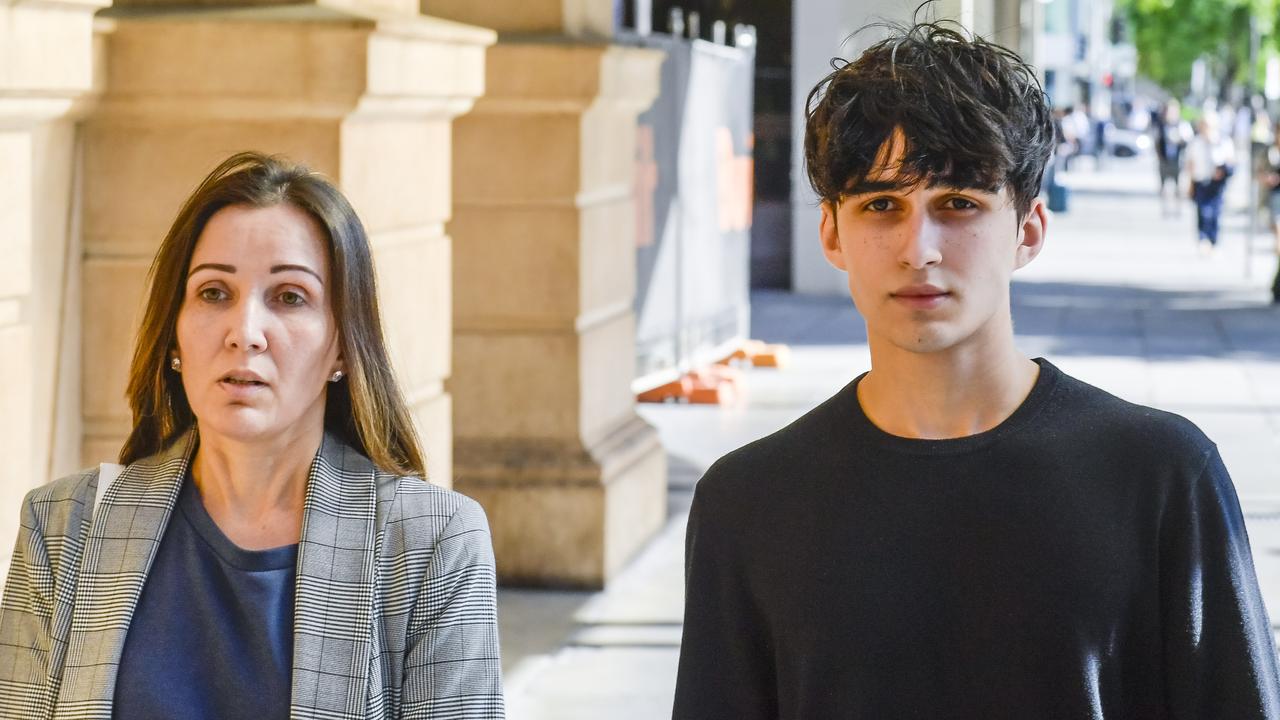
{"points": [[771, 211]]}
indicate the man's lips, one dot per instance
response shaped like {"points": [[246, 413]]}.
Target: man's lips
{"points": [[921, 297], [919, 291]]}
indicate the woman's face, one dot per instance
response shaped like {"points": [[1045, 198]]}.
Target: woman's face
{"points": [[256, 332]]}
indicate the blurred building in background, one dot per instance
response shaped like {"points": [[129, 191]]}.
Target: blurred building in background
{"points": [[567, 200]]}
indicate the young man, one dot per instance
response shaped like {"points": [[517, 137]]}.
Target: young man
{"points": [[962, 532]]}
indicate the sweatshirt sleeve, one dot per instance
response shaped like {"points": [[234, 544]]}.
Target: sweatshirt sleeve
{"points": [[1219, 652], [726, 660]]}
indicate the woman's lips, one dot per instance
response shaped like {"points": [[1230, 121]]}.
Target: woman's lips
{"points": [[242, 390]]}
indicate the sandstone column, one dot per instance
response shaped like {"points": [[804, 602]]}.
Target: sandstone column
{"points": [[546, 435], [46, 69], [365, 95]]}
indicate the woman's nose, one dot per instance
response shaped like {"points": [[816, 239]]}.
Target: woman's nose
{"points": [[247, 327]]}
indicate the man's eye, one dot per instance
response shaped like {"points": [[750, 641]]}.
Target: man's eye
{"points": [[959, 203], [289, 297], [212, 294], [880, 205]]}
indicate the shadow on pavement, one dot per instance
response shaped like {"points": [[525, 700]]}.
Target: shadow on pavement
{"points": [[1065, 318]]}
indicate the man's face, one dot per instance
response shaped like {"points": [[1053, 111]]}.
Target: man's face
{"points": [[929, 268]]}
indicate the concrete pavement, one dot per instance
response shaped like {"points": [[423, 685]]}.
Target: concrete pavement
{"points": [[1119, 298]]}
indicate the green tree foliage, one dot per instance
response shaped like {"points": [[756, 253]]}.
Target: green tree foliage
{"points": [[1171, 34]]}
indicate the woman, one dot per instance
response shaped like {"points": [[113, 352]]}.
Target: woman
{"points": [[270, 549], [1210, 161]]}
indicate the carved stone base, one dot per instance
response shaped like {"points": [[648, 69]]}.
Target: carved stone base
{"points": [[566, 516]]}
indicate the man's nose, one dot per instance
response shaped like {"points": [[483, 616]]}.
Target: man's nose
{"points": [[247, 330], [922, 243]]}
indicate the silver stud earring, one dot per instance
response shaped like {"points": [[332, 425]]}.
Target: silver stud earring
{"points": [[176, 364], [336, 376]]}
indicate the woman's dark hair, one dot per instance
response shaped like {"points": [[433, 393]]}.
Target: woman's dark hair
{"points": [[366, 408], [972, 114]]}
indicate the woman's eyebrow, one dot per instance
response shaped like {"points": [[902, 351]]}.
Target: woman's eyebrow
{"points": [[213, 266], [302, 268], [274, 269]]}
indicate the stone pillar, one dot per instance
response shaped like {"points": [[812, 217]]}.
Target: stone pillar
{"points": [[546, 435], [368, 100], [46, 69]]}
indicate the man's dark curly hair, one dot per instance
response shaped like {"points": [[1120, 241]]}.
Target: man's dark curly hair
{"points": [[972, 114]]}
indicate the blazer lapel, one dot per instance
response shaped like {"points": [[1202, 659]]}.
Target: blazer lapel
{"points": [[122, 542], [333, 608]]}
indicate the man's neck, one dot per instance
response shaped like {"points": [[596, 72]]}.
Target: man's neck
{"points": [[955, 393]]}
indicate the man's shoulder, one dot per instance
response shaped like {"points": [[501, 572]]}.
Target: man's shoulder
{"points": [[783, 455], [1092, 417]]}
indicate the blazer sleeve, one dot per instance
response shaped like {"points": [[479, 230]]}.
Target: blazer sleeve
{"points": [[1220, 655], [27, 617], [726, 666], [452, 664]]}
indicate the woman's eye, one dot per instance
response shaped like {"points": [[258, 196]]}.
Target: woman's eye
{"points": [[212, 294], [289, 297]]}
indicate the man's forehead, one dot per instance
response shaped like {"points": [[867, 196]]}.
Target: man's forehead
{"points": [[895, 170], [898, 182]]}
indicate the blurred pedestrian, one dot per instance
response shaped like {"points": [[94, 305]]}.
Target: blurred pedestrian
{"points": [[1271, 179], [1172, 134], [1210, 162], [1075, 130], [270, 548]]}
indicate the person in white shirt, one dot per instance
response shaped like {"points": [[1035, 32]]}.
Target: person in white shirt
{"points": [[1210, 162]]}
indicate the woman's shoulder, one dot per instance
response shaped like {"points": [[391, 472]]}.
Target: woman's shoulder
{"points": [[56, 508], [423, 511], [77, 488]]}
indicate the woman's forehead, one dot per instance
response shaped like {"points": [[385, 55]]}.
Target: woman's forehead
{"points": [[240, 234]]}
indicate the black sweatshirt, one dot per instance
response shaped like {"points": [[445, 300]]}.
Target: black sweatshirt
{"points": [[1084, 559]]}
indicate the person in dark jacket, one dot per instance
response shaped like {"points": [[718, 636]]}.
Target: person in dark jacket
{"points": [[962, 532], [1172, 134]]}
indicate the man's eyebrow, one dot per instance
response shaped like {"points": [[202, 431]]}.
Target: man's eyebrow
{"points": [[874, 186], [274, 269]]}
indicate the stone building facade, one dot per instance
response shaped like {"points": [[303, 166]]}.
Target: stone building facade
{"points": [[489, 147], [504, 284]]}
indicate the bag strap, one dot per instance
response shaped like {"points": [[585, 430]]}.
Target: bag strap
{"points": [[107, 474]]}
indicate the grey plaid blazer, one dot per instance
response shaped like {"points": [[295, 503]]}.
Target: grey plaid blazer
{"points": [[395, 612]]}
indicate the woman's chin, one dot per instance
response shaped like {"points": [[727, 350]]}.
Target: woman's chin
{"points": [[244, 425]]}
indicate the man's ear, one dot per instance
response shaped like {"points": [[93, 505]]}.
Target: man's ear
{"points": [[830, 236], [1031, 234]]}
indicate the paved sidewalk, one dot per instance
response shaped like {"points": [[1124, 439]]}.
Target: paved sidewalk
{"points": [[1120, 298]]}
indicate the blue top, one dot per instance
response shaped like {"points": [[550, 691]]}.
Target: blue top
{"points": [[212, 636]]}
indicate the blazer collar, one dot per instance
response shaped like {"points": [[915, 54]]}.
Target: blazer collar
{"points": [[121, 544], [334, 605], [333, 611]]}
